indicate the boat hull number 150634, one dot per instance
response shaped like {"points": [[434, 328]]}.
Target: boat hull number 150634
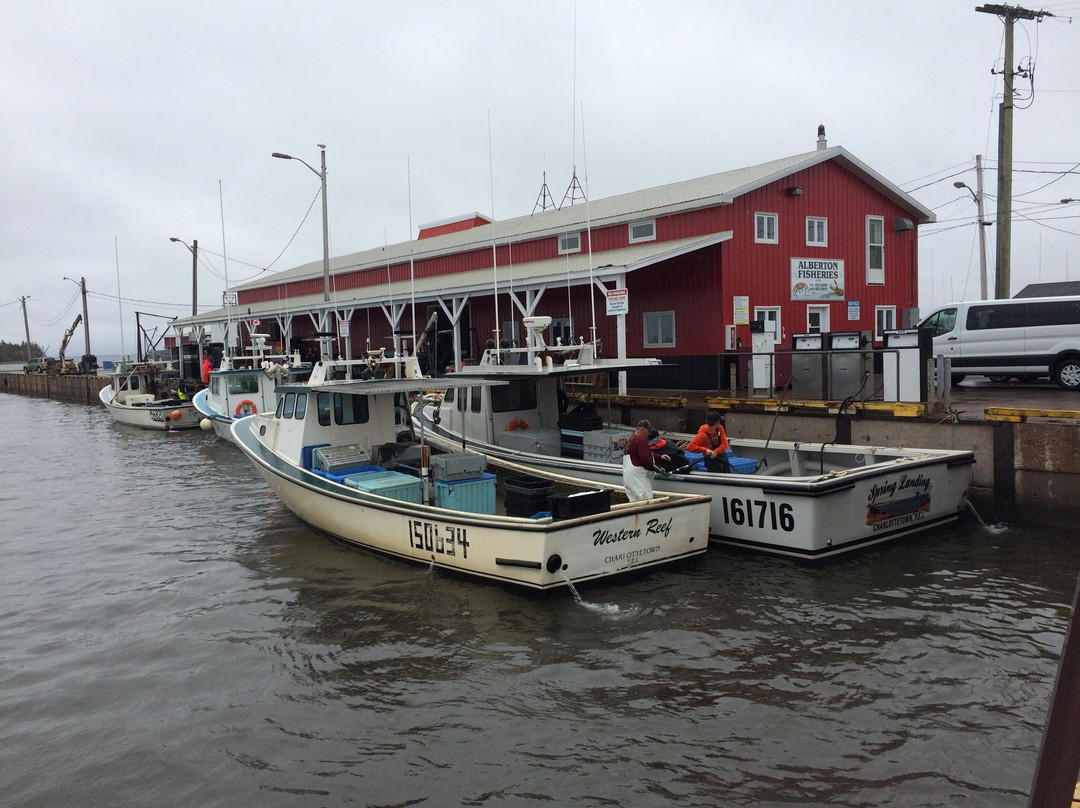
{"points": [[758, 513], [432, 538]]}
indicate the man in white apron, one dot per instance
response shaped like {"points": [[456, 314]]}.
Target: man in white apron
{"points": [[639, 464]]}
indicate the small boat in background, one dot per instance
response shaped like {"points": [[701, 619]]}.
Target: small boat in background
{"points": [[246, 385], [148, 394]]}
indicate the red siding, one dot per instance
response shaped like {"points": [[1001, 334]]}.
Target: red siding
{"points": [[700, 286]]}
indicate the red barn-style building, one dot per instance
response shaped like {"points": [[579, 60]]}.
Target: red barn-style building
{"points": [[814, 242]]}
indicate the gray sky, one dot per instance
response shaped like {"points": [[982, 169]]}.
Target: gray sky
{"points": [[125, 123]]}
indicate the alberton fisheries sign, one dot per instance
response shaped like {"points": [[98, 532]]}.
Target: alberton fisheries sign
{"points": [[817, 279]]}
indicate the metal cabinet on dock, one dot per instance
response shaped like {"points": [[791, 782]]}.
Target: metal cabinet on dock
{"points": [[808, 366]]}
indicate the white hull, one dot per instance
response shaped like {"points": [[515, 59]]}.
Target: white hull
{"points": [[152, 414], [805, 516], [538, 554], [222, 424]]}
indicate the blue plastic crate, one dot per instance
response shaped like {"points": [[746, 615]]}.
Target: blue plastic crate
{"points": [[391, 484], [471, 496], [742, 465]]}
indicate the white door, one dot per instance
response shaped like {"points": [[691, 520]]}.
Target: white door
{"points": [[771, 316], [817, 319]]}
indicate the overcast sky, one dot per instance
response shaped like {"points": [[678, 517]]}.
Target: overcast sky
{"points": [[126, 123]]}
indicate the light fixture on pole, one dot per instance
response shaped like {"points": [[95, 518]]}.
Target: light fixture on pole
{"points": [[325, 228], [983, 224], [194, 250]]}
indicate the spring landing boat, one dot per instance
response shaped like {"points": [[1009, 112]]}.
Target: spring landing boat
{"points": [[793, 498], [334, 453], [246, 385], [147, 395]]}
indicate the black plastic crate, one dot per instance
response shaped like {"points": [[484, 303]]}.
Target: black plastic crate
{"points": [[526, 485], [571, 504]]}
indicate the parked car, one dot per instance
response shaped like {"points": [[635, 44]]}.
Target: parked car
{"points": [[39, 365]]}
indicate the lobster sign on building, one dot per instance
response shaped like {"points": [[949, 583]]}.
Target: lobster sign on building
{"points": [[817, 279]]}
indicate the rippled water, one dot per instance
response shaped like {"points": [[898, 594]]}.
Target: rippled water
{"points": [[170, 635]]}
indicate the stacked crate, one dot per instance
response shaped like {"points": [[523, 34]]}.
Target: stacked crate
{"points": [[605, 445], [527, 496], [574, 425]]}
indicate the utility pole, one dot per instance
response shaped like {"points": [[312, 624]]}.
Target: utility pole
{"points": [[26, 325], [85, 319], [1009, 15]]}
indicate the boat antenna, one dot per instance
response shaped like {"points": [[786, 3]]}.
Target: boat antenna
{"points": [[588, 227], [412, 271], [119, 302], [574, 188], [494, 256], [225, 264], [389, 284]]}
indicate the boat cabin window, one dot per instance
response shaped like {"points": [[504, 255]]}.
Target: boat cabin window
{"points": [[301, 406], [289, 405], [322, 402], [243, 384], [462, 399], [448, 396], [474, 399], [520, 394], [281, 407], [215, 385], [349, 409]]}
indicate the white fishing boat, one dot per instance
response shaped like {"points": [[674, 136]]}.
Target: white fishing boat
{"points": [[149, 395], [335, 453], [246, 385], [797, 499]]}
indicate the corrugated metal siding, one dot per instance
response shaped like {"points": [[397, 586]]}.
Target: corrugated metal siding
{"points": [[699, 286]]}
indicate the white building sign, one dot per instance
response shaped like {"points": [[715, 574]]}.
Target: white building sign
{"points": [[741, 306], [618, 301], [817, 279]]}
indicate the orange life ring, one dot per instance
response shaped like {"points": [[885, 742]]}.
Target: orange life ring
{"points": [[246, 407], [517, 423]]}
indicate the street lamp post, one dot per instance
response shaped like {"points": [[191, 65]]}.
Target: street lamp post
{"points": [[194, 250], [978, 197], [325, 228]]}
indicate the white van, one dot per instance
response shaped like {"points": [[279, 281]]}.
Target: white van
{"points": [[1021, 337]]}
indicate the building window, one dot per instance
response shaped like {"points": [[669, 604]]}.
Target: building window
{"points": [[659, 329], [570, 243], [817, 319], [643, 231], [875, 250], [817, 232], [884, 320], [765, 229]]}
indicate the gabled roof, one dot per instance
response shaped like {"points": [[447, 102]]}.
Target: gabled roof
{"points": [[1057, 289], [663, 200]]}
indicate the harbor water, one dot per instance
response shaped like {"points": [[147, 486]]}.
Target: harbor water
{"points": [[170, 635]]}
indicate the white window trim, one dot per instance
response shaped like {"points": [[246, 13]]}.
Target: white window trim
{"points": [[878, 335], [776, 228], [875, 281], [824, 242], [645, 330], [826, 316], [640, 239], [563, 249]]}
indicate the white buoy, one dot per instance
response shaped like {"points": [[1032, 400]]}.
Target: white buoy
{"points": [[206, 424]]}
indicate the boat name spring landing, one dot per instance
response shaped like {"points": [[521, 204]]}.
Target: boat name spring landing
{"points": [[654, 527], [890, 488]]}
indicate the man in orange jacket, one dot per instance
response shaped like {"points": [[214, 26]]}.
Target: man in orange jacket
{"points": [[711, 442]]}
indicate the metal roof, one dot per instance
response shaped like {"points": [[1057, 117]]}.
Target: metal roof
{"points": [[573, 268], [663, 200]]}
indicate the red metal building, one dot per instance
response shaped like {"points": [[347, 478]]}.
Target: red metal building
{"points": [[813, 242]]}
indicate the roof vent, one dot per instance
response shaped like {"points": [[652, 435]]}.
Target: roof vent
{"points": [[822, 143]]}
